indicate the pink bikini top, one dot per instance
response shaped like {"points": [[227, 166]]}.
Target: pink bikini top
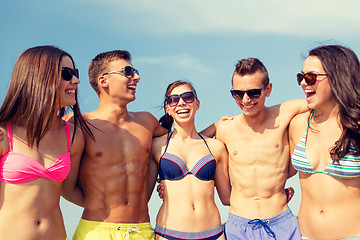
{"points": [[19, 168]]}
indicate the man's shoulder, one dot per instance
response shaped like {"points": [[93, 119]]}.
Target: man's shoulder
{"points": [[228, 127], [230, 122], [144, 118], [142, 114]]}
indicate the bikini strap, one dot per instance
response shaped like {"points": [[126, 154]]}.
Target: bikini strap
{"points": [[205, 143], [68, 137], [167, 141], [308, 125], [10, 137], [167, 144]]}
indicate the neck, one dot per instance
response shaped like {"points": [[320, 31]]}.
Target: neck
{"points": [[112, 111], [257, 119], [185, 132], [325, 113]]}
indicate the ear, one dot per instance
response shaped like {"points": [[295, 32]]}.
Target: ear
{"points": [[197, 104], [167, 109], [268, 89], [103, 82]]}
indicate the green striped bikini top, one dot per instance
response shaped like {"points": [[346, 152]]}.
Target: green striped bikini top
{"points": [[348, 167]]}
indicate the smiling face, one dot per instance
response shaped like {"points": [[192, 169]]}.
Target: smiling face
{"points": [[68, 88], [320, 92], [117, 84], [183, 112], [251, 107]]}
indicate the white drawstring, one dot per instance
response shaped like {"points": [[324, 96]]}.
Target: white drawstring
{"points": [[130, 229]]}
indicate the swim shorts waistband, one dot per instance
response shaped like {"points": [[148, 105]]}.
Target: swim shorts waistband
{"points": [[172, 234], [269, 221]]}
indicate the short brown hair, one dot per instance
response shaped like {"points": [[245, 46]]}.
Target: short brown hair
{"points": [[99, 65], [250, 66]]}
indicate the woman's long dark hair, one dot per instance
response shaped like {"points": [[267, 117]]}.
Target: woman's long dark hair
{"points": [[343, 69], [33, 93], [167, 121]]}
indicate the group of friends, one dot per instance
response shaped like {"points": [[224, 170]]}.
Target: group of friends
{"points": [[108, 160]]}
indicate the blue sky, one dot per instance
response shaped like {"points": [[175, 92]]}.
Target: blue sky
{"points": [[196, 40]]}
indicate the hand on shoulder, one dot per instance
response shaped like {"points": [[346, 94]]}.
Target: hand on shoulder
{"points": [[222, 120]]}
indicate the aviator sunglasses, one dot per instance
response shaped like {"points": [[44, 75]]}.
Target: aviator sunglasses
{"points": [[128, 72], [310, 78], [67, 73], [173, 100], [252, 93]]}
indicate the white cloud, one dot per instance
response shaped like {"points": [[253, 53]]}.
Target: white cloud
{"points": [[294, 17]]}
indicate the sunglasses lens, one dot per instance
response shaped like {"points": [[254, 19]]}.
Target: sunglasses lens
{"points": [[310, 78], [299, 77], [129, 72], [188, 97], [237, 94], [173, 100], [66, 73], [75, 72], [254, 93]]}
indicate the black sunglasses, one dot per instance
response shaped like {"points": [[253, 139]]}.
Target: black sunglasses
{"points": [[128, 72], [310, 78], [252, 93], [67, 73], [173, 100]]}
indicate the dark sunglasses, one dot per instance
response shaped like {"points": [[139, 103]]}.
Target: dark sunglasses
{"points": [[310, 78], [252, 93], [128, 72], [67, 73], [173, 100]]}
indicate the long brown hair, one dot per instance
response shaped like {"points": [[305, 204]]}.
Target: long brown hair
{"points": [[343, 69], [33, 93]]}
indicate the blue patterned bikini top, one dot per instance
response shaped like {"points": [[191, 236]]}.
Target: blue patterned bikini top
{"points": [[172, 167], [348, 167]]}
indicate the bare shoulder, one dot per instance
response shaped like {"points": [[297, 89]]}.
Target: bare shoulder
{"points": [[144, 116], [79, 138], [228, 123], [227, 127], [300, 120], [89, 116], [297, 127], [147, 120], [215, 144], [158, 143]]}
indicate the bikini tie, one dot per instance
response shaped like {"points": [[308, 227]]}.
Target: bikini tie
{"points": [[130, 229], [258, 223]]}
